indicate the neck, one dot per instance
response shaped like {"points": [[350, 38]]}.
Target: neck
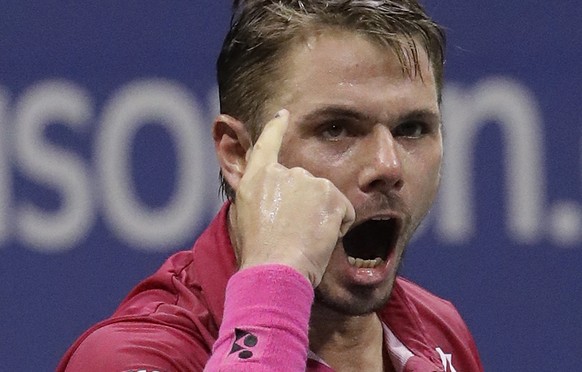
{"points": [[347, 343]]}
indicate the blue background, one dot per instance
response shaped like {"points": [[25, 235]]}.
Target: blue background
{"points": [[520, 293]]}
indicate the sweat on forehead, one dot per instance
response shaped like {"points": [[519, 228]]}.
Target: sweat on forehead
{"points": [[340, 50]]}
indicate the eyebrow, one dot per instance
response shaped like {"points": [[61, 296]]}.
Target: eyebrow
{"points": [[335, 111], [349, 113], [421, 114]]}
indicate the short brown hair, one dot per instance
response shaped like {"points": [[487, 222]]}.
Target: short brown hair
{"points": [[261, 31]]}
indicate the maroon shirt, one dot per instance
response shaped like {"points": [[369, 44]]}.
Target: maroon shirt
{"points": [[171, 320]]}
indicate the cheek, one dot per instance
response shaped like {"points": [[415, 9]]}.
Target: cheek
{"points": [[422, 174], [318, 160], [341, 168]]}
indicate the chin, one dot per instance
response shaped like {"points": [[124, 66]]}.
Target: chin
{"points": [[354, 300]]}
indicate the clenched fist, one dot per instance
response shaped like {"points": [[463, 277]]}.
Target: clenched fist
{"points": [[287, 216]]}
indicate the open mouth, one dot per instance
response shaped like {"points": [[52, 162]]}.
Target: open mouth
{"points": [[370, 243]]}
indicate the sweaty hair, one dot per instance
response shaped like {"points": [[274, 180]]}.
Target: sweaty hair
{"points": [[262, 31]]}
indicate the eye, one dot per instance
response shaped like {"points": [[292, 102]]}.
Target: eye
{"points": [[410, 129], [334, 131]]}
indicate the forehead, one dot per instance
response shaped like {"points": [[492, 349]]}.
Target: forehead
{"points": [[346, 68]]}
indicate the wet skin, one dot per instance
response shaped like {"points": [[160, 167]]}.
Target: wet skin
{"points": [[360, 140], [374, 132]]}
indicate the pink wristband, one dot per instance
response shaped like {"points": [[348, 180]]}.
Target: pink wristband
{"points": [[265, 323]]}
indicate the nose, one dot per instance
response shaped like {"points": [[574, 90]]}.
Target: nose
{"points": [[382, 166]]}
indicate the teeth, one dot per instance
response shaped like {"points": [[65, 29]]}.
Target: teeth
{"points": [[368, 264]]}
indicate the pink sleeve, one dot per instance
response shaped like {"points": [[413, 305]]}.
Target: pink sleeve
{"points": [[266, 317]]}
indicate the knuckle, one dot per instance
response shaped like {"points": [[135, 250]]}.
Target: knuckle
{"points": [[326, 186], [242, 195], [272, 170], [300, 172], [276, 170]]}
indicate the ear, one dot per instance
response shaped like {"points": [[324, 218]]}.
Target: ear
{"points": [[231, 142]]}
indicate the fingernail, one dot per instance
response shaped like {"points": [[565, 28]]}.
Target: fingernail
{"points": [[281, 112]]}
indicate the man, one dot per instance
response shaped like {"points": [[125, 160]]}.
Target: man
{"points": [[299, 270]]}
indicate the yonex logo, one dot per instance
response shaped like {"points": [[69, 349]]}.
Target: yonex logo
{"points": [[249, 340]]}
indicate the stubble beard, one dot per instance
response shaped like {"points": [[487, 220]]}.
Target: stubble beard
{"points": [[362, 300], [355, 300]]}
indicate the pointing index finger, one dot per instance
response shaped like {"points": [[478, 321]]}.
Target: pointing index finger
{"points": [[266, 150]]}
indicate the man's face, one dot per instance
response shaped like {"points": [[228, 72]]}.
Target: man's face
{"points": [[374, 131]]}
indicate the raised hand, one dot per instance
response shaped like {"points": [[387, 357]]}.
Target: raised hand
{"points": [[287, 216]]}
